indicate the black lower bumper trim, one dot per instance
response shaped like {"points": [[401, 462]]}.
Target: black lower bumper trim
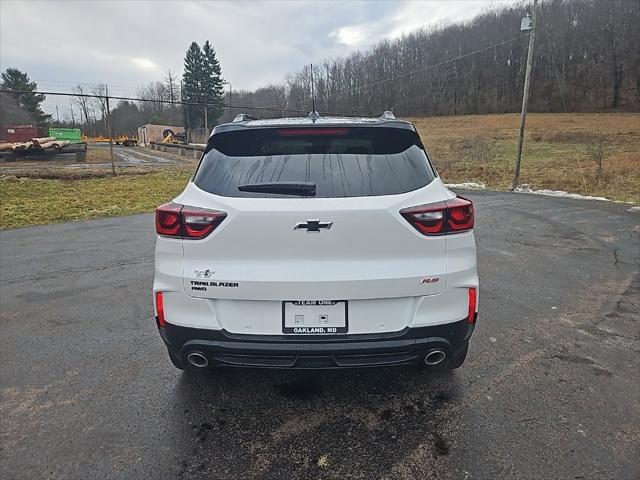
{"points": [[338, 351]]}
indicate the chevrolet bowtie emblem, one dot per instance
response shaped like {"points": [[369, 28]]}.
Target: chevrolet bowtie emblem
{"points": [[313, 226]]}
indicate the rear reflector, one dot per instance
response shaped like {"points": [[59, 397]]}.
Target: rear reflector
{"points": [[290, 132], [175, 220], [472, 315], [160, 310], [441, 218]]}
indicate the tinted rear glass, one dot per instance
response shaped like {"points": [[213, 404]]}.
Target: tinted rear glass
{"points": [[342, 162]]}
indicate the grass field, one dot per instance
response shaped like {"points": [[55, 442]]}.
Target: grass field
{"points": [[559, 155], [559, 151], [28, 201]]}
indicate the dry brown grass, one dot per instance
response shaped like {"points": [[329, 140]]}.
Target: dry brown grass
{"points": [[478, 148], [481, 148]]}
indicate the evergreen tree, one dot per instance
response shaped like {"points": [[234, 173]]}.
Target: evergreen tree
{"points": [[14, 79], [212, 83], [192, 87]]}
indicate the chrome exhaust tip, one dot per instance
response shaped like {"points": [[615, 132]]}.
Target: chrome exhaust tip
{"points": [[435, 357], [197, 359]]}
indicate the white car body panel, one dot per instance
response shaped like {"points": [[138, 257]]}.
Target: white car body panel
{"points": [[371, 257]]}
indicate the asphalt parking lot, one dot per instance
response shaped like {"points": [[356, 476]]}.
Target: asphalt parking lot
{"points": [[550, 389]]}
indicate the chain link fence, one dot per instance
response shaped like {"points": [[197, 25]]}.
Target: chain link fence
{"points": [[94, 134]]}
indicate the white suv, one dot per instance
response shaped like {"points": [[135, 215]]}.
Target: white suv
{"points": [[316, 243]]}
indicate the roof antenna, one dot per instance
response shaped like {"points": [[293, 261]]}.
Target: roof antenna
{"points": [[313, 115]]}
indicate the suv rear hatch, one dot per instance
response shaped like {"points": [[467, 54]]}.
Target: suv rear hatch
{"points": [[313, 213]]}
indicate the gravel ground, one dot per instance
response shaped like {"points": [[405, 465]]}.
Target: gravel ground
{"points": [[96, 159]]}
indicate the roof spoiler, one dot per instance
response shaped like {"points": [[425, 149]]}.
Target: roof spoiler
{"points": [[243, 117]]}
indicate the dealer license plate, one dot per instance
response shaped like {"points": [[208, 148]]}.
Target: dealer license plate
{"points": [[315, 317]]}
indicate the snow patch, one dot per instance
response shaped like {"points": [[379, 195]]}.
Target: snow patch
{"points": [[524, 188], [466, 186]]}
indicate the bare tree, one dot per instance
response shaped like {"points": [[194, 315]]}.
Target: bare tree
{"points": [[597, 151], [100, 102], [170, 81], [82, 100], [586, 59]]}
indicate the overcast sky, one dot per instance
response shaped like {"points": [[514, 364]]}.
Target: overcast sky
{"points": [[126, 44]]}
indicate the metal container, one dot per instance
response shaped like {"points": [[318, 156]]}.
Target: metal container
{"points": [[73, 135], [19, 133]]}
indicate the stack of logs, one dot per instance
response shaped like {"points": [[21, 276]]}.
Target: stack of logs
{"points": [[35, 144]]}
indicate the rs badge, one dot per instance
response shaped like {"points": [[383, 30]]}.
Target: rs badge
{"points": [[429, 280]]}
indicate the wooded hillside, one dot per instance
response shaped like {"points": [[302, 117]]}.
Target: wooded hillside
{"points": [[587, 59]]}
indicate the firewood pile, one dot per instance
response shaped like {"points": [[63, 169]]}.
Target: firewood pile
{"points": [[35, 145]]}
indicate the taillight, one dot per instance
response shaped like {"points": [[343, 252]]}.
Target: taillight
{"points": [[175, 220], [460, 214], [198, 222], [440, 218], [160, 310], [168, 220], [472, 315]]}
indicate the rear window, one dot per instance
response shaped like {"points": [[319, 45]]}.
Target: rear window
{"points": [[342, 162]]}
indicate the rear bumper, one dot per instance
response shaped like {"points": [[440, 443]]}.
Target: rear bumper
{"points": [[408, 346]]}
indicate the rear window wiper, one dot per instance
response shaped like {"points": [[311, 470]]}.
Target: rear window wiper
{"points": [[305, 189]]}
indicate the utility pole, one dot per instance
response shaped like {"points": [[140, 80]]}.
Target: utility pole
{"points": [[525, 95], [313, 94], [186, 107], [230, 102], [206, 120], [73, 120], [170, 80], [113, 165]]}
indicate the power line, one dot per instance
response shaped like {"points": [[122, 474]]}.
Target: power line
{"points": [[126, 89], [553, 62], [334, 93], [187, 103], [564, 103], [444, 62], [71, 85], [520, 71]]}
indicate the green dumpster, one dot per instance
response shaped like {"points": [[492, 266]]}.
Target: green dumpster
{"points": [[73, 135]]}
